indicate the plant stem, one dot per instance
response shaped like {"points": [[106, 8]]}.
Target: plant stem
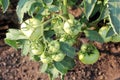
{"points": [[65, 12], [48, 21]]}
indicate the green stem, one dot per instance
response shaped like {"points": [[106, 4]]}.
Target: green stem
{"points": [[48, 21], [65, 12]]}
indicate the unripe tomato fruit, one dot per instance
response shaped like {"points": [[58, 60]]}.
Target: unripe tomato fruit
{"points": [[45, 59], [58, 57], [67, 26], [37, 50], [30, 28], [54, 46], [88, 57]]}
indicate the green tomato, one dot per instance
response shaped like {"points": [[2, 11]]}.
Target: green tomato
{"points": [[103, 32], [58, 57], [67, 26], [69, 22], [71, 28], [54, 46], [37, 48], [37, 51], [30, 28], [27, 31], [45, 59], [90, 56]]}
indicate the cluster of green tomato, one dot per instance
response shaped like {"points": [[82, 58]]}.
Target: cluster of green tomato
{"points": [[52, 54], [50, 51], [38, 48]]}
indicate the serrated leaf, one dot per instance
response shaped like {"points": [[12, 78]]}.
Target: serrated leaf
{"points": [[96, 8], [67, 49], [43, 68], [54, 73], [11, 43], [23, 7], [36, 57], [37, 33], [5, 4], [49, 34], [59, 66], [53, 8], [93, 35], [115, 38], [20, 11], [110, 32], [89, 7], [68, 62], [14, 34], [65, 65], [25, 47], [104, 12], [36, 8], [0, 3], [114, 9], [48, 1]]}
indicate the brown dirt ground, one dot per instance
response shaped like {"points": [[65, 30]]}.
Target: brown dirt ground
{"points": [[13, 66]]}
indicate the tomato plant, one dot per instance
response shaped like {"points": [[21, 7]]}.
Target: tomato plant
{"points": [[48, 36]]}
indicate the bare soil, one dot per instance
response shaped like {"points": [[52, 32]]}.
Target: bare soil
{"points": [[13, 66]]}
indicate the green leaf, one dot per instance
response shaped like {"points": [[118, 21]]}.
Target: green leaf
{"points": [[5, 4], [104, 12], [53, 8], [93, 35], [44, 67], [53, 73], [59, 66], [23, 7], [49, 34], [65, 65], [68, 62], [48, 1], [20, 10], [114, 9], [116, 38], [37, 33], [89, 7], [67, 49], [25, 47], [11, 43], [36, 8], [72, 2], [97, 7], [14, 34], [103, 9], [36, 57], [110, 32], [0, 3]]}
